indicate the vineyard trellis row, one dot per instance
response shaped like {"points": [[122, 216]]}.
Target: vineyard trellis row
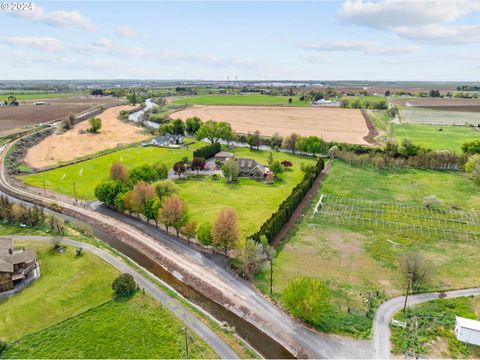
{"points": [[403, 219]]}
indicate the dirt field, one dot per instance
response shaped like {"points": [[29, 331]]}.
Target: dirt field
{"points": [[78, 142], [332, 124], [27, 114]]}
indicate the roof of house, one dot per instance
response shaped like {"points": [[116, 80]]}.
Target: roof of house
{"points": [[249, 165], [7, 260], [224, 154], [468, 323], [5, 246], [5, 266]]}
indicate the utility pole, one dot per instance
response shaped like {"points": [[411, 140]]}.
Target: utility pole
{"points": [[44, 189], [186, 341], [75, 192], [409, 285]]}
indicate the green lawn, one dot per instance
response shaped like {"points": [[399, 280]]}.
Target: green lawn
{"points": [[68, 286], [88, 174], [435, 338], [253, 200], [241, 100], [436, 137], [355, 261], [134, 329]]}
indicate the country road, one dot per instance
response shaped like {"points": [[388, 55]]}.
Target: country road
{"points": [[385, 312], [207, 277], [203, 331]]}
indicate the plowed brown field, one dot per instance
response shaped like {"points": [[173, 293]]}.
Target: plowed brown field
{"points": [[77, 142], [13, 118], [332, 124]]}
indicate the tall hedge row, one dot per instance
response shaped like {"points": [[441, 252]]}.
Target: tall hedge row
{"points": [[274, 224], [208, 151]]}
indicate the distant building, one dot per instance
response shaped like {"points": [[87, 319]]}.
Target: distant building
{"points": [[165, 140], [224, 155], [15, 266], [467, 330]]}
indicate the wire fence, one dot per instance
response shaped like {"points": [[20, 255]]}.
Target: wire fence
{"points": [[402, 219]]}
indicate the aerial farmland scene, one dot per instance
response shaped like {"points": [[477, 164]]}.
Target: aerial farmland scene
{"points": [[240, 179]]}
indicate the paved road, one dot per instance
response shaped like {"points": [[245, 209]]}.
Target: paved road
{"points": [[384, 314], [204, 275], [217, 344]]}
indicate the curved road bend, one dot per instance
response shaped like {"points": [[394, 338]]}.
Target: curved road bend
{"points": [[199, 272], [203, 331], [386, 311]]}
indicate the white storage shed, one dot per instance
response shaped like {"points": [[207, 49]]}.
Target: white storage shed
{"points": [[467, 330]]}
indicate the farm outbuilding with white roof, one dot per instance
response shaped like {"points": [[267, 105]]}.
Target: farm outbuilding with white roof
{"points": [[467, 330]]}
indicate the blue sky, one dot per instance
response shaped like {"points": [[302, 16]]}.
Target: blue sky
{"points": [[311, 40]]}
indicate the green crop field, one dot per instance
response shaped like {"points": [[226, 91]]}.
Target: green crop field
{"points": [[88, 174], [356, 249], [68, 286], [241, 100], [254, 201], [138, 328], [436, 137]]}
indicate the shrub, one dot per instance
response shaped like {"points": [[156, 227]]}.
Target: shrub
{"points": [[3, 346], [124, 285], [204, 234], [208, 151], [307, 299], [107, 191]]}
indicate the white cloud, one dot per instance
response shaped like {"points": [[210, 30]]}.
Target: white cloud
{"points": [[103, 43], [125, 32], [60, 18], [318, 59], [364, 46], [421, 20], [442, 34], [41, 43]]}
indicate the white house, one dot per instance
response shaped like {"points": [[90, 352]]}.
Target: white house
{"points": [[467, 330]]}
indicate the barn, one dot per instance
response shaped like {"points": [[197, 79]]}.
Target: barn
{"points": [[467, 330]]}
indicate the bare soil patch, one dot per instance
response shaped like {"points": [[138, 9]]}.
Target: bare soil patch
{"points": [[77, 142], [13, 118], [332, 124]]}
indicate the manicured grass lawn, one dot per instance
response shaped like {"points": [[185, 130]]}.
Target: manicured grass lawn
{"points": [[241, 100], [88, 174], [68, 286], [436, 137], [253, 200], [435, 337], [134, 329], [356, 261]]}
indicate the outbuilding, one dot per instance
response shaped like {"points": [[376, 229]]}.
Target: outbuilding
{"points": [[467, 330]]}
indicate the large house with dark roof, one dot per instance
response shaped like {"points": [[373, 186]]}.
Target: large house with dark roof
{"points": [[15, 265], [248, 167]]}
